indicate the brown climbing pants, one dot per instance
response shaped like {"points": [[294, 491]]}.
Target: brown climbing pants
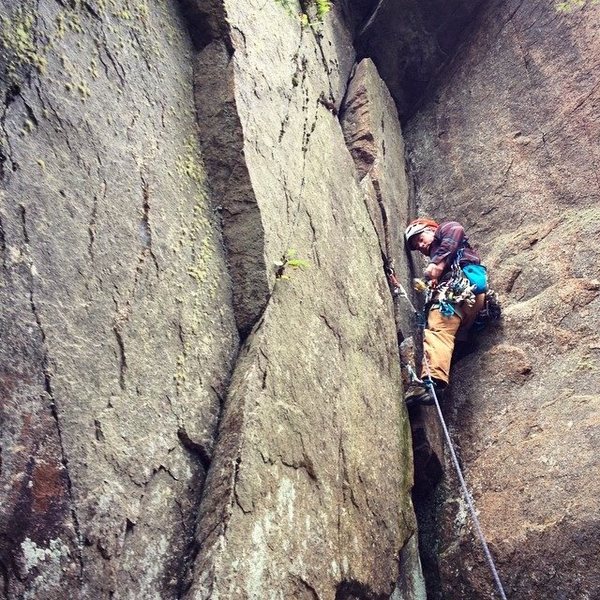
{"points": [[439, 337]]}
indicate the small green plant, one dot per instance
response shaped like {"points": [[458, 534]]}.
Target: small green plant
{"points": [[569, 5], [311, 11], [323, 7], [289, 260]]}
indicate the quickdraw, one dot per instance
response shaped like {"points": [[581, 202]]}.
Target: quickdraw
{"points": [[395, 286], [448, 294], [453, 290]]}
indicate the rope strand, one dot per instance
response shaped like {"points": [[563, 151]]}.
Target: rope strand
{"points": [[371, 19], [463, 485]]}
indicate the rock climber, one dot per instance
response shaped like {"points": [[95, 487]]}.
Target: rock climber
{"points": [[457, 283]]}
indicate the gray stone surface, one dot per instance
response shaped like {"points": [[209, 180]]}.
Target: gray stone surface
{"points": [[118, 312], [373, 135], [410, 40], [411, 585], [117, 329], [313, 458], [509, 147]]}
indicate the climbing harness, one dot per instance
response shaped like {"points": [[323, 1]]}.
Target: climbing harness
{"points": [[453, 290], [448, 296]]}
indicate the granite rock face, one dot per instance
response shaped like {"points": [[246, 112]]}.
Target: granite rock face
{"points": [[163, 168], [117, 326], [509, 146], [200, 385], [313, 456]]}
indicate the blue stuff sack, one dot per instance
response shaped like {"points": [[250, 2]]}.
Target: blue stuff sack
{"points": [[477, 275]]}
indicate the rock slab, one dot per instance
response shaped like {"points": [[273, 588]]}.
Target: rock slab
{"points": [[508, 146]]}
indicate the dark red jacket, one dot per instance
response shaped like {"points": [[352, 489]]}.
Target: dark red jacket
{"points": [[448, 240]]}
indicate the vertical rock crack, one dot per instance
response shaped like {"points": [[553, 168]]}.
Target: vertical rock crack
{"points": [[54, 410]]}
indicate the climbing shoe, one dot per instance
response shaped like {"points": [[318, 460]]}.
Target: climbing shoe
{"points": [[418, 393]]}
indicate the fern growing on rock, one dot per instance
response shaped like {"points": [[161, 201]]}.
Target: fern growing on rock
{"points": [[311, 11], [323, 7]]}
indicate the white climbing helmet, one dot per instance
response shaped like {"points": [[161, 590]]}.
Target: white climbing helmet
{"points": [[418, 226]]}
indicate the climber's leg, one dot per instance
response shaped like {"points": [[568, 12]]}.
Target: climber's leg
{"points": [[438, 344], [470, 312]]}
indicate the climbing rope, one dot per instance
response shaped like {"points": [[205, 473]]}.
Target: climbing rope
{"points": [[371, 19], [463, 483], [400, 291]]}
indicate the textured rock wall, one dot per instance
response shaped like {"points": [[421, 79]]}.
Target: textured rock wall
{"points": [[409, 41], [116, 323], [130, 131], [313, 458], [509, 146]]}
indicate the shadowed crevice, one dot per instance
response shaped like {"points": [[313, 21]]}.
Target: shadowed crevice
{"points": [[206, 22], [351, 589], [222, 140]]}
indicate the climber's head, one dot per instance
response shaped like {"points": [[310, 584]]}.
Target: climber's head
{"points": [[419, 234]]}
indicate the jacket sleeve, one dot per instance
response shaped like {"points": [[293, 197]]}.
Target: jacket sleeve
{"points": [[451, 236]]}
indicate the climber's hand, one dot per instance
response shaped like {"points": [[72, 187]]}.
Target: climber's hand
{"points": [[434, 271]]}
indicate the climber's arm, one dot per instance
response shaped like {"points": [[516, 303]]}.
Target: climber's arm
{"points": [[452, 236], [433, 270]]}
